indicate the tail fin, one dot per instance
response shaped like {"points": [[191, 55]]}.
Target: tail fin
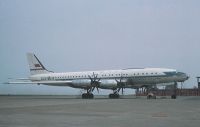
{"points": [[35, 65]]}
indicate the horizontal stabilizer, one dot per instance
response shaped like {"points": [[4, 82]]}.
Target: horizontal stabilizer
{"points": [[24, 79]]}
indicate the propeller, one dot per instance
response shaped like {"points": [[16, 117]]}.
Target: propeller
{"points": [[94, 82], [120, 85]]}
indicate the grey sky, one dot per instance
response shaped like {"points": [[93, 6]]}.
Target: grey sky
{"points": [[78, 35]]}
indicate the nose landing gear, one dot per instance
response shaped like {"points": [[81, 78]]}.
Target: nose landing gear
{"points": [[173, 96], [151, 96]]}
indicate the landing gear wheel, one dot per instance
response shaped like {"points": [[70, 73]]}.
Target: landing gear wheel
{"points": [[87, 96], [173, 96], [149, 96], [113, 96]]}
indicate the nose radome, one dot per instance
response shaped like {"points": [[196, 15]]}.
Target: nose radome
{"points": [[184, 75]]}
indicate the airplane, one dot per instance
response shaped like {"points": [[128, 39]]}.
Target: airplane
{"points": [[115, 80]]}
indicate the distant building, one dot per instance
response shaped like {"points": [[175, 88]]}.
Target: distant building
{"points": [[198, 81]]}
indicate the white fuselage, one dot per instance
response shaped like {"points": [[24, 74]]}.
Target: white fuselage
{"points": [[108, 78]]}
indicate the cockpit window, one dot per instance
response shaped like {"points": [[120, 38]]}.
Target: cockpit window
{"points": [[180, 73], [171, 73]]}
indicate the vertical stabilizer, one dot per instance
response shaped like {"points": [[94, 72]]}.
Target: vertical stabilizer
{"points": [[35, 65]]}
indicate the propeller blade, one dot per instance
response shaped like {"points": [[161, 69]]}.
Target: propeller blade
{"points": [[97, 89], [96, 76], [116, 80], [93, 74], [98, 80], [120, 79], [119, 89], [93, 89], [90, 77]]}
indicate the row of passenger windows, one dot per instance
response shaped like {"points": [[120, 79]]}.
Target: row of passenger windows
{"points": [[104, 75]]}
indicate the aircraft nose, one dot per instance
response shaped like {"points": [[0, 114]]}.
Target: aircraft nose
{"points": [[184, 76]]}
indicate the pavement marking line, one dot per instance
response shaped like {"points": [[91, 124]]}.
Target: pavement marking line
{"points": [[160, 114]]}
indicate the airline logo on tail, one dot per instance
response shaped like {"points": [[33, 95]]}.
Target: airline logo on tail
{"points": [[37, 65]]}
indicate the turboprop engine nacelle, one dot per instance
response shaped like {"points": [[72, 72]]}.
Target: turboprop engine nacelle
{"points": [[81, 82], [108, 84]]}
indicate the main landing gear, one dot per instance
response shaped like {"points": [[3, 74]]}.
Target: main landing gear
{"points": [[88, 95], [114, 95]]}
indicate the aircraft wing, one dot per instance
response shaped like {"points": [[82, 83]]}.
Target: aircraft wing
{"points": [[38, 82]]}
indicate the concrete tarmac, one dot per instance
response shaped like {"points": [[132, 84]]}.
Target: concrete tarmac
{"points": [[69, 111]]}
